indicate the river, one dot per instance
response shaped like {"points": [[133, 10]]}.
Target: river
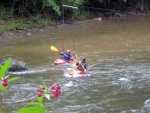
{"points": [[118, 51]]}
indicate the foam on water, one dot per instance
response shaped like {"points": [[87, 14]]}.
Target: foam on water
{"points": [[28, 72], [69, 84], [147, 103]]}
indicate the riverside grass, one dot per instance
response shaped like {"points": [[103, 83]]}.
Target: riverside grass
{"points": [[11, 24], [15, 23]]}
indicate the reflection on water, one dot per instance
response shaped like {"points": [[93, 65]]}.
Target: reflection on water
{"points": [[118, 52]]}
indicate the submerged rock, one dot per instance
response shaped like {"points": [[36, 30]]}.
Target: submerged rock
{"points": [[15, 65]]}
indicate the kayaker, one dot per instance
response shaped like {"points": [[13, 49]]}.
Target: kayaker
{"points": [[82, 65], [66, 55]]}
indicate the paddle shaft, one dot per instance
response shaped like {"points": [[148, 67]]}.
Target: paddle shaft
{"points": [[81, 64], [55, 49]]}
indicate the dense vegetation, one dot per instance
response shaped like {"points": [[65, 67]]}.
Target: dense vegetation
{"points": [[17, 14]]}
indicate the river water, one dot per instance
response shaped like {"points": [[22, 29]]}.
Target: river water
{"points": [[117, 51]]}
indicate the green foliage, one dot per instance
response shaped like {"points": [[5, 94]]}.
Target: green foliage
{"points": [[45, 21], [76, 2], [82, 15], [54, 6], [9, 25], [35, 103], [40, 99], [35, 109], [4, 13], [42, 11], [4, 68], [4, 82], [13, 79], [24, 22], [3, 88]]}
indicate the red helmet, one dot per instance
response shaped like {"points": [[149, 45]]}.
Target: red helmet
{"points": [[68, 51]]}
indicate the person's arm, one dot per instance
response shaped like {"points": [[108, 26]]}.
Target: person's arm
{"points": [[70, 56], [85, 66], [61, 53]]}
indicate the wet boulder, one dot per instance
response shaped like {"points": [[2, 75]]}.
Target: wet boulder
{"points": [[15, 65]]}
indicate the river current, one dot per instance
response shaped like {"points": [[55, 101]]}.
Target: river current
{"points": [[117, 51]]}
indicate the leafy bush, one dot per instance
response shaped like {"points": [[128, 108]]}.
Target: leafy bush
{"points": [[31, 107]]}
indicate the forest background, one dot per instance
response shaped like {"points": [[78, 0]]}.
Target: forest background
{"points": [[25, 14]]}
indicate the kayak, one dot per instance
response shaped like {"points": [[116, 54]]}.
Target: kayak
{"points": [[75, 71], [60, 61]]}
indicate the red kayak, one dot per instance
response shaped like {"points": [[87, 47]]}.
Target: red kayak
{"points": [[75, 71], [61, 61]]}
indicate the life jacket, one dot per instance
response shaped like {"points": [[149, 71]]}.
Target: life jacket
{"points": [[66, 56], [81, 66]]}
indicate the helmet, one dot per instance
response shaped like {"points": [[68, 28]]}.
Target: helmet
{"points": [[77, 63], [83, 59], [68, 51]]}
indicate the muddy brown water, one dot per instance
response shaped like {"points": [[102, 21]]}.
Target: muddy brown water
{"points": [[118, 51]]}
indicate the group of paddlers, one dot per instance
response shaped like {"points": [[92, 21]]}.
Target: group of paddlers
{"points": [[80, 65]]}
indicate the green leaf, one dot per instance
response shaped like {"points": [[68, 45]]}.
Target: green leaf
{"points": [[3, 88], [32, 110], [40, 99], [4, 68], [12, 79], [35, 103], [45, 87], [53, 4]]}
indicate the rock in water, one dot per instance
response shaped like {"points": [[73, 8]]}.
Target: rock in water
{"points": [[15, 65]]}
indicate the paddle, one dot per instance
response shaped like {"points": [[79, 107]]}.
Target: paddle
{"points": [[55, 49], [81, 64], [75, 60], [83, 68], [71, 72]]}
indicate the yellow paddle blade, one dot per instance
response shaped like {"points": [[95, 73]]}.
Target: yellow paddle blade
{"points": [[71, 72], [75, 60], [53, 48]]}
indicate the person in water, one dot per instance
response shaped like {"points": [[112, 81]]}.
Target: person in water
{"points": [[82, 65], [66, 55]]}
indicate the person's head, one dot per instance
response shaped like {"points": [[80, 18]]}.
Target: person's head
{"points": [[77, 63], [68, 51], [83, 60]]}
